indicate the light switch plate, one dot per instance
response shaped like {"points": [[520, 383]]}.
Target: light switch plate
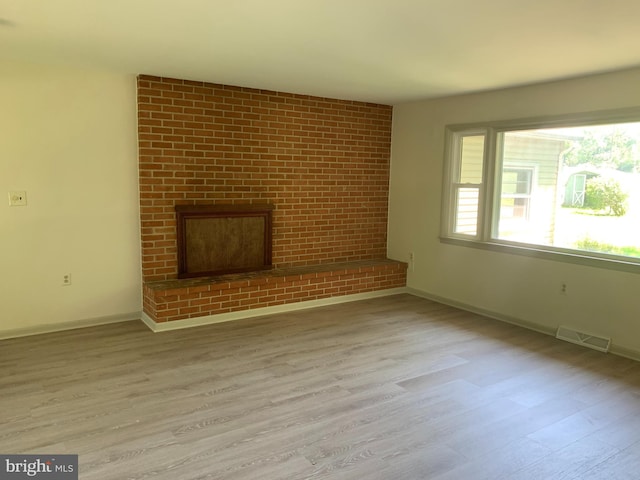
{"points": [[17, 198]]}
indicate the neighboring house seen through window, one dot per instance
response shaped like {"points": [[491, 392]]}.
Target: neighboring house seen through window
{"points": [[516, 193]]}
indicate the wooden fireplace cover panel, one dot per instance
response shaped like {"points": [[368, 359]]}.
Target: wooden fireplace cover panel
{"points": [[215, 239], [224, 244]]}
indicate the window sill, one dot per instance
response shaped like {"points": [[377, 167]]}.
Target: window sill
{"points": [[609, 262]]}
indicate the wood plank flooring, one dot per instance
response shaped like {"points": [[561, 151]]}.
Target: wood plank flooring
{"points": [[389, 388]]}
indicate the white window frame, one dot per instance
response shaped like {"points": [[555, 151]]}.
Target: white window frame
{"points": [[489, 188], [452, 174]]}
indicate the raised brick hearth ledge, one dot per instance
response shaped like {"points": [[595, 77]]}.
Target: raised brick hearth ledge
{"points": [[170, 300]]}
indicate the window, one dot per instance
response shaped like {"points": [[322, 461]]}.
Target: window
{"points": [[467, 187], [564, 187], [516, 193]]}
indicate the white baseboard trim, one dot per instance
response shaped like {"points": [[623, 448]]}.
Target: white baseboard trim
{"points": [[625, 352], [616, 350], [260, 312], [146, 319], [59, 327], [481, 311]]}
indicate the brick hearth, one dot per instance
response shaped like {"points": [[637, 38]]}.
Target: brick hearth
{"points": [[180, 299]]}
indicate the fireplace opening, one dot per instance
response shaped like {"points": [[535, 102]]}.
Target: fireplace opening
{"points": [[220, 239]]}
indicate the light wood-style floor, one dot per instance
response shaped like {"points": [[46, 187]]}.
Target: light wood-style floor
{"points": [[390, 388]]}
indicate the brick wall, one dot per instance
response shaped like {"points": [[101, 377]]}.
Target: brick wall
{"points": [[323, 163], [177, 300]]}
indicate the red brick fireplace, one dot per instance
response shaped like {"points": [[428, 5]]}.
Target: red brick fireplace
{"points": [[322, 164]]}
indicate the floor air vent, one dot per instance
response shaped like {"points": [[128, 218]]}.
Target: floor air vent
{"points": [[592, 341]]}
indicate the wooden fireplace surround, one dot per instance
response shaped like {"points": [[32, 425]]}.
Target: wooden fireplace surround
{"points": [[223, 239]]}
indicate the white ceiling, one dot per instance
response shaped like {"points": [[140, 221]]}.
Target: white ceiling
{"points": [[386, 51]]}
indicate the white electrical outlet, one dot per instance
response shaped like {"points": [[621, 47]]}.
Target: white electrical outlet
{"points": [[66, 279], [17, 198]]}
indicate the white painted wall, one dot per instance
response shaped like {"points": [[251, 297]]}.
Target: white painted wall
{"points": [[525, 289], [68, 137]]}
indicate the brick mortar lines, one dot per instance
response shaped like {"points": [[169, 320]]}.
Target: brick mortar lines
{"points": [[225, 300], [323, 163]]}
